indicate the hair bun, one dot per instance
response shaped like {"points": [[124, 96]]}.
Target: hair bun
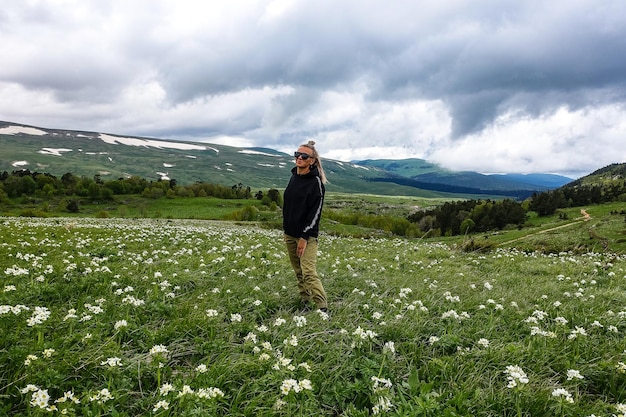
{"points": [[311, 142]]}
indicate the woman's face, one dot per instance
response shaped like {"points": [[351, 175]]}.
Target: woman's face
{"points": [[305, 163]]}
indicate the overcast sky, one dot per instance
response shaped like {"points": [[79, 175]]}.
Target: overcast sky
{"points": [[489, 86]]}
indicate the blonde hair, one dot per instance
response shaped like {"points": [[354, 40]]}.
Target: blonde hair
{"points": [[318, 161]]}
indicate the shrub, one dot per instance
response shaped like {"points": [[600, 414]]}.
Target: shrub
{"points": [[248, 213], [31, 212], [73, 206]]}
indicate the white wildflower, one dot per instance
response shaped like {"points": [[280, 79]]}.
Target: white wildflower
{"points": [[574, 374], [515, 376], [561, 392]]}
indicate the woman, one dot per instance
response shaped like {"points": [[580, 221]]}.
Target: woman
{"points": [[302, 209]]}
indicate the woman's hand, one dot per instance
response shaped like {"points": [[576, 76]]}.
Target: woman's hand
{"points": [[301, 247]]}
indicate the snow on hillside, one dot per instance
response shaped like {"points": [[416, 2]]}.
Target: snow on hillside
{"points": [[14, 130], [151, 143], [252, 152]]}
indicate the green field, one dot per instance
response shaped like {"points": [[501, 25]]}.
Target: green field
{"points": [[169, 317], [604, 230], [566, 230]]}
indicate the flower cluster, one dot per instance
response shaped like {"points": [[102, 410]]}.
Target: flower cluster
{"points": [[299, 321], [112, 362], [40, 397], [186, 391], [382, 391], [16, 309], [578, 331], [362, 336], [452, 314], [158, 350], [574, 374], [292, 385], [40, 314], [515, 376], [563, 393]]}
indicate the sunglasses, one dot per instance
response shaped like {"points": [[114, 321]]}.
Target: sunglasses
{"points": [[302, 155]]}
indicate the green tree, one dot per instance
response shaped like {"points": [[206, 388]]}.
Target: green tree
{"points": [[24, 185], [69, 181], [153, 192], [467, 226], [48, 189], [118, 187], [73, 206], [275, 195], [547, 203], [106, 193], [43, 179], [94, 191]]}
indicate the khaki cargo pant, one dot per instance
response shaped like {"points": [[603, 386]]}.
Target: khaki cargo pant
{"points": [[309, 284]]}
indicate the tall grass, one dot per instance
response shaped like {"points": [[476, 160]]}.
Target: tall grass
{"points": [[182, 318]]}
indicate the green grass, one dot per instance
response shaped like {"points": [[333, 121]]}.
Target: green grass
{"points": [[563, 231], [426, 327], [190, 208], [605, 230], [133, 206], [380, 204]]}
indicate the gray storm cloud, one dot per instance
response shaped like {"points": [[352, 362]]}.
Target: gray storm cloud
{"points": [[432, 76]]}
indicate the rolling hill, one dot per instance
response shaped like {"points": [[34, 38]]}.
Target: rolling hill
{"points": [[110, 156], [423, 171]]}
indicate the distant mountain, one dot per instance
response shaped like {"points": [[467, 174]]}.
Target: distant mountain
{"points": [[409, 168], [542, 180], [424, 174], [111, 156]]}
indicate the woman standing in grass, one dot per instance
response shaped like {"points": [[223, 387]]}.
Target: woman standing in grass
{"points": [[302, 209]]}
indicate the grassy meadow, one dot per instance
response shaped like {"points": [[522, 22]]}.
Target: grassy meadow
{"points": [[170, 317]]}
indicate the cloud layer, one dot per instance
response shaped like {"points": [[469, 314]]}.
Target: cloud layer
{"points": [[487, 86]]}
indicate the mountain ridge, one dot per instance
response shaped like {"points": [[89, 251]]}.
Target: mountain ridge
{"points": [[57, 151], [424, 171]]}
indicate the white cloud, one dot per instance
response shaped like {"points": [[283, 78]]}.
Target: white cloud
{"points": [[231, 141], [490, 87], [565, 141]]}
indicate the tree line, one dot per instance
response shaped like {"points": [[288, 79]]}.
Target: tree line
{"points": [[609, 185], [27, 183], [462, 217], [549, 202], [448, 219], [467, 216]]}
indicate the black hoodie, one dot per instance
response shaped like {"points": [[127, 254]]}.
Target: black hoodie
{"points": [[302, 204]]}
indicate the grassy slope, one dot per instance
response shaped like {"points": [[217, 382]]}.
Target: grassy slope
{"points": [[603, 231], [218, 164], [85, 154]]}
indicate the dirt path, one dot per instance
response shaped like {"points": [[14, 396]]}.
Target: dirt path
{"points": [[585, 217]]}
